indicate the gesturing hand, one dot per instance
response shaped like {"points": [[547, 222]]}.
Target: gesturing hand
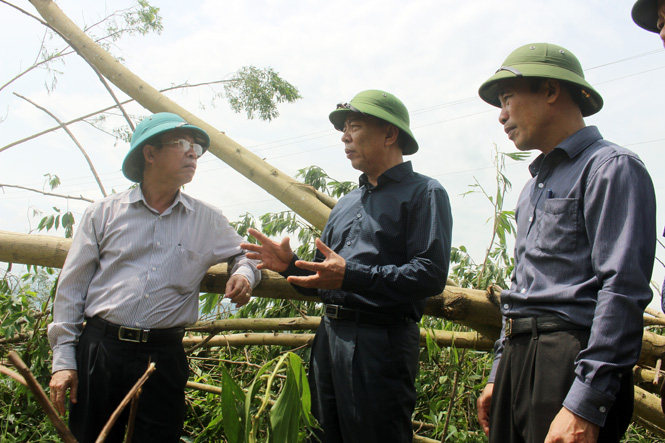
{"points": [[329, 272], [274, 256]]}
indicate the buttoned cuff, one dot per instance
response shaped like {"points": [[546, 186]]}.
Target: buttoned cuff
{"points": [[356, 276], [64, 357], [495, 367], [292, 269], [589, 403]]}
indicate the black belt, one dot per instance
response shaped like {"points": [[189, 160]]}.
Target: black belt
{"points": [[136, 335], [536, 325], [373, 318]]}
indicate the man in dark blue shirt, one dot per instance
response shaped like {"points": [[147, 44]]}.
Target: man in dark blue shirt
{"points": [[384, 250], [586, 235]]}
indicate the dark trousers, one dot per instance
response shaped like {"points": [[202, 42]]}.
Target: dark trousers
{"points": [[362, 381], [107, 370], [532, 381]]}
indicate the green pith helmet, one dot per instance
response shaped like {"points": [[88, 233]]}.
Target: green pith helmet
{"points": [[645, 15], [156, 124], [544, 60], [379, 104]]}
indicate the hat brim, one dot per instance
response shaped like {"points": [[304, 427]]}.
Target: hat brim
{"points": [[645, 15], [338, 117], [590, 100], [132, 166]]}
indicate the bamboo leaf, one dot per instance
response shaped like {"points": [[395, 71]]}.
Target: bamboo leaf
{"points": [[285, 413], [232, 401]]}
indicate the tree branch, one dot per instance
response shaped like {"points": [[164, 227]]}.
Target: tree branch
{"points": [[62, 125], [2, 185], [101, 111]]}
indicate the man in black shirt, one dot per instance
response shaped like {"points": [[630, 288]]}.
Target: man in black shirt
{"points": [[384, 250]]}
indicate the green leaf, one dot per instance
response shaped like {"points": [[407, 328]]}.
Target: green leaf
{"points": [[285, 413], [232, 402]]}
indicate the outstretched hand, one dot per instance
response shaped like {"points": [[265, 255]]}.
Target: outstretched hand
{"points": [[329, 272], [274, 256]]}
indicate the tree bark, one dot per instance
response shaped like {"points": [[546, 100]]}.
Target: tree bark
{"points": [[303, 199], [462, 340], [648, 411]]}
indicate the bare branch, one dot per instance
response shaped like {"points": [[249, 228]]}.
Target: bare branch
{"points": [[101, 111], [85, 154], [51, 194], [130, 395], [115, 99], [41, 397]]}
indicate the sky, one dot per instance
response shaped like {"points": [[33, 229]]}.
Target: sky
{"points": [[432, 54]]}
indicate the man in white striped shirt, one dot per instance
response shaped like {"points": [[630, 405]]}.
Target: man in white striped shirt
{"points": [[133, 275]]}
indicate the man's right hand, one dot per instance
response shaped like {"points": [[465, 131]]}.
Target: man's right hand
{"points": [[274, 256], [60, 382], [483, 405]]}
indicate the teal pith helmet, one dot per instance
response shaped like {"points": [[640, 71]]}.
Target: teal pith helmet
{"points": [[156, 124], [544, 60], [382, 105], [645, 15]]}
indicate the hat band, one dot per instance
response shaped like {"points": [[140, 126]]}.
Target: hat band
{"points": [[509, 69], [348, 106]]}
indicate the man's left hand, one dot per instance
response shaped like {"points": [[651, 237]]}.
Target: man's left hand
{"points": [[238, 290], [329, 272], [570, 428]]}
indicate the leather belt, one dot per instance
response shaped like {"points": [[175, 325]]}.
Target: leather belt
{"points": [[136, 335], [337, 312], [536, 325]]}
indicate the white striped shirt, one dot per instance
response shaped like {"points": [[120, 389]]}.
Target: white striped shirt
{"points": [[134, 267]]}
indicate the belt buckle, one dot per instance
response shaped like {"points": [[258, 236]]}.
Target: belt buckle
{"points": [[509, 327], [134, 335], [334, 309]]}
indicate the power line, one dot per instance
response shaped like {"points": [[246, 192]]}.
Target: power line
{"points": [[72, 182]]}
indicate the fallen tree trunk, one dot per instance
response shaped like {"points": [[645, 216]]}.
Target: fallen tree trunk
{"points": [[648, 411], [476, 309], [303, 199], [465, 340]]}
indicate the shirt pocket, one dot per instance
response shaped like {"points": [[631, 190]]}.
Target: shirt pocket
{"points": [[558, 224], [187, 270]]}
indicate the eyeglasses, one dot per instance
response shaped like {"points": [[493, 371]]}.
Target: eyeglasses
{"points": [[349, 107], [185, 146]]}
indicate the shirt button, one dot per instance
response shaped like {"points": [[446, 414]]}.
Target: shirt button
{"points": [[159, 243], [137, 324], [506, 306], [154, 269], [602, 409], [541, 185], [358, 215], [523, 291], [159, 218], [146, 296], [530, 219], [348, 243]]}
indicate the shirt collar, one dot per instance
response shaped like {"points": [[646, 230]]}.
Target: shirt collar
{"points": [[135, 195], [396, 173], [572, 146]]}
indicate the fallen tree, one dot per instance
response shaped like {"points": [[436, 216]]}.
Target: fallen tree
{"points": [[310, 204]]}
